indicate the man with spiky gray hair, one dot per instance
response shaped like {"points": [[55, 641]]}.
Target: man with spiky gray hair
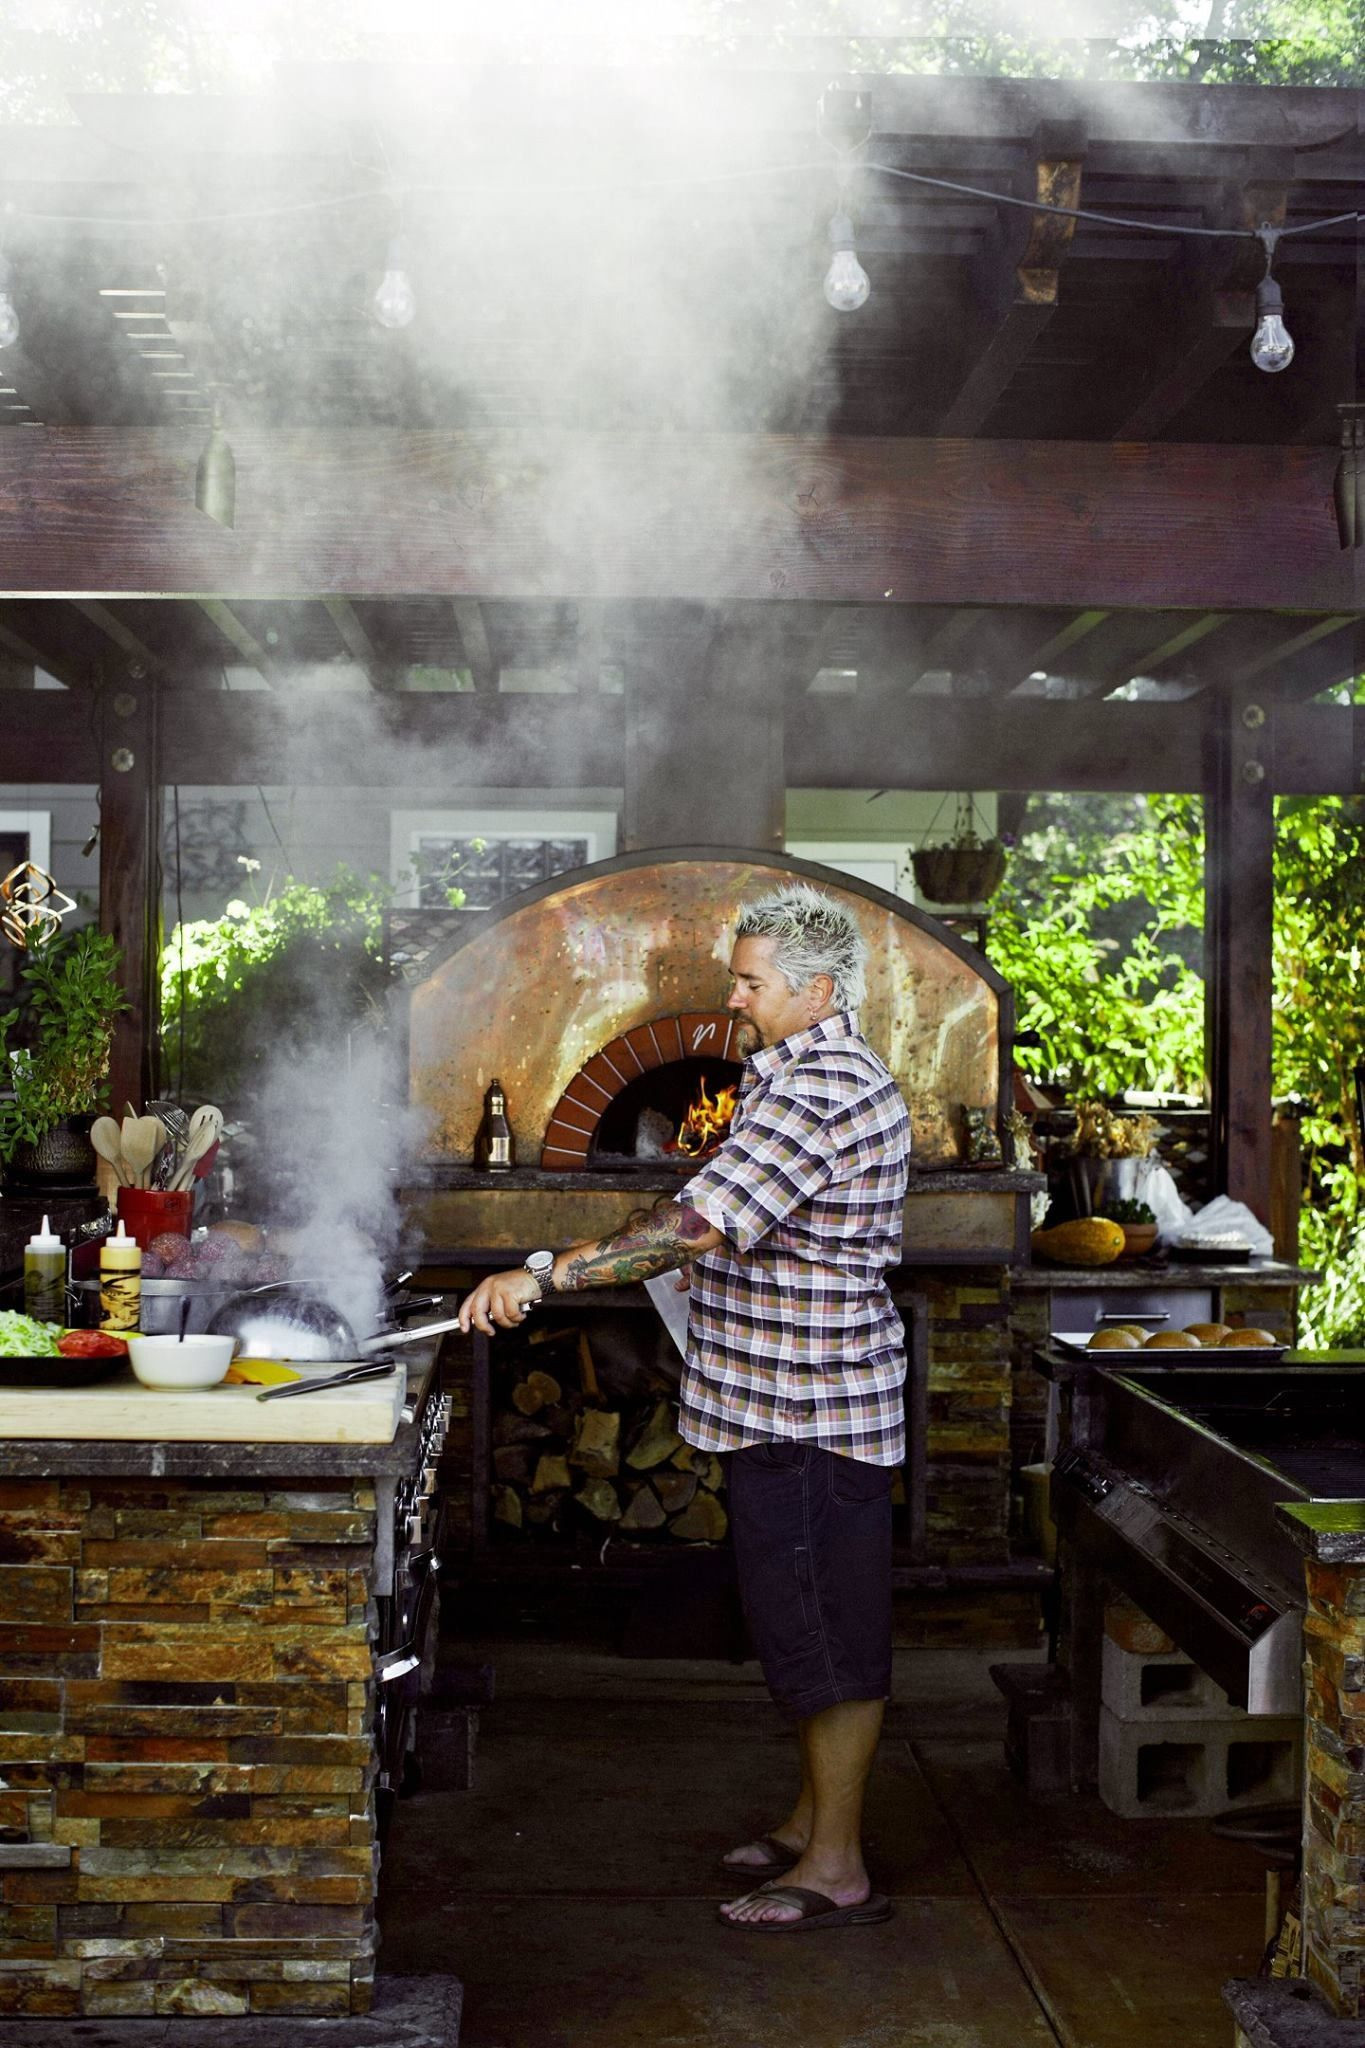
{"points": [[795, 1365]]}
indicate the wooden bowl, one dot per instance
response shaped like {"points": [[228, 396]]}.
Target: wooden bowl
{"points": [[1138, 1239]]}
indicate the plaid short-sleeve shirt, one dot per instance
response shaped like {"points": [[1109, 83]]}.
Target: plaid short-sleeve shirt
{"points": [[793, 1333]]}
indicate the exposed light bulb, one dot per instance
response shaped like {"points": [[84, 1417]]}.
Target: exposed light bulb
{"points": [[847, 285], [9, 321], [215, 479], [1272, 347], [395, 303]]}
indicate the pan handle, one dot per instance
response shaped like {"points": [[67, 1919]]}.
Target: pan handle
{"points": [[392, 1338]]}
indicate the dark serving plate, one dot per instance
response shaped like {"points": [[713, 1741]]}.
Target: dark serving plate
{"points": [[58, 1372]]}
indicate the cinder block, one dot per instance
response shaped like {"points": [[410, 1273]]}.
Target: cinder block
{"points": [[1165, 1687], [1198, 1768], [1131, 1629]]}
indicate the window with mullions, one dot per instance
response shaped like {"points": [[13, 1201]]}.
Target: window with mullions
{"points": [[488, 869]]}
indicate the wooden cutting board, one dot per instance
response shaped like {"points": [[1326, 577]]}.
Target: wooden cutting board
{"points": [[123, 1409]]}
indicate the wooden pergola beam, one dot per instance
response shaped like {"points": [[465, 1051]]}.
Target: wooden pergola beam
{"points": [[878, 739], [712, 518]]}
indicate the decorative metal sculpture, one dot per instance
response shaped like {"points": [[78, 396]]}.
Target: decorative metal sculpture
{"points": [[31, 904]]}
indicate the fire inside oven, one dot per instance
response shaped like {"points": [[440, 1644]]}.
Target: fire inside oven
{"points": [[674, 1115]]}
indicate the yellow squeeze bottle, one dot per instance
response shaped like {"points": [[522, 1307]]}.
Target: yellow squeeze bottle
{"points": [[120, 1283]]}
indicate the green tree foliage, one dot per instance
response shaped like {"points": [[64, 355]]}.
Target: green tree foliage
{"points": [[281, 976], [1099, 930]]}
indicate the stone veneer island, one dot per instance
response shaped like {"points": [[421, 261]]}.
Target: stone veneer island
{"points": [[187, 1715]]}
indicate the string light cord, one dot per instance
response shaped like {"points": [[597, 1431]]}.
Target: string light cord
{"points": [[1109, 220], [388, 193]]}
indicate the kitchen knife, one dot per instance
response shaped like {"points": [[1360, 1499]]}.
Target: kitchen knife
{"points": [[375, 1369]]}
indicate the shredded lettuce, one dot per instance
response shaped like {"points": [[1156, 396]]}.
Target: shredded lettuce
{"points": [[23, 1337]]}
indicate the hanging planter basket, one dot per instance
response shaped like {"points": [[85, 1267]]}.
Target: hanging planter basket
{"points": [[968, 869]]}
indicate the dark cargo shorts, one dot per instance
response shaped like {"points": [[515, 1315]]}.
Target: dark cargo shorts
{"points": [[812, 1535]]}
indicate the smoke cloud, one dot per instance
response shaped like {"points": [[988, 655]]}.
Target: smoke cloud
{"points": [[333, 1136]]}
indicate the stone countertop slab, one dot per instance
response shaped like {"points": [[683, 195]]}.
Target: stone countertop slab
{"points": [[929, 1180], [1259, 1273], [1328, 1531], [1288, 2013], [46, 1457]]}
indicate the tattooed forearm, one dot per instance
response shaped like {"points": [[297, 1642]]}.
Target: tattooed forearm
{"points": [[657, 1243]]}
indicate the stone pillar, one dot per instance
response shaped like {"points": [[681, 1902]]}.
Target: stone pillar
{"points": [[1334, 1785]]}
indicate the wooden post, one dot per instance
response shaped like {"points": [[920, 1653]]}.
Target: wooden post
{"points": [[129, 906], [1239, 872], [704, 754]]}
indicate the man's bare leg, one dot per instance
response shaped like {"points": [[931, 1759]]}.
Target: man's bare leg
{"points": [[837, 1749], [794, 1831]]}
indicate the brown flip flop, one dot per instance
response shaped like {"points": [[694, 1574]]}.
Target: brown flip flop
{"points": [[814, 1910], [779, 1859]]}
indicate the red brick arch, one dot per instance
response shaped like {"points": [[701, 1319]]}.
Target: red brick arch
{"points": [[696, 1034]]}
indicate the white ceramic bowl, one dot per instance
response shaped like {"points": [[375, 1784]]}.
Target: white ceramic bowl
{"points": [[166, 1362]]}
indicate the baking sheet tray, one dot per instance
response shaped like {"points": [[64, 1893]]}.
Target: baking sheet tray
{"points": [[1077, 1342]]}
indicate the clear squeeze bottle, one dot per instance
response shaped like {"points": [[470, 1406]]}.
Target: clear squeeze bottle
{"points": [[120, 1283], [45, 1276]]}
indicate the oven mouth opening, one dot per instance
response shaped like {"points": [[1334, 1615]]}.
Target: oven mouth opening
{"points": [[647, 1124]]}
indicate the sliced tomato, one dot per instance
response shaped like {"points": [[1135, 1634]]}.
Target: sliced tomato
{"points": [[91, 1344]]}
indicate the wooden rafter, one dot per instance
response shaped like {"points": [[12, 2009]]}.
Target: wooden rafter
{"points": [[478, 649], [124, 638], [244, 640], [358, 644], [1026, 308]]}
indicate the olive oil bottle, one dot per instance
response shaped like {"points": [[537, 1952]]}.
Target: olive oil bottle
{"points": [[494, 1146]]}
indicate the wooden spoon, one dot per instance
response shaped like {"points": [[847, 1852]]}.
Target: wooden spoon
{"points": [[206, 1128], [142, 1140], [104, 1136]]}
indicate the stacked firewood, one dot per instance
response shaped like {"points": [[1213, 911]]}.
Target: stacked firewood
{"points": [[567, 1459]]}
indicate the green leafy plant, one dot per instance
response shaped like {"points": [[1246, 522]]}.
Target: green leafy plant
{"points": [[71, 996], [277, 976], [1134, 1214]]}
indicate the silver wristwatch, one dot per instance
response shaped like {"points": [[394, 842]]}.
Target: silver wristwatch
{"points": [[541, 1266]]}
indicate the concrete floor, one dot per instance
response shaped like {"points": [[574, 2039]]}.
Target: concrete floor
{"points": [[574, 1889]]}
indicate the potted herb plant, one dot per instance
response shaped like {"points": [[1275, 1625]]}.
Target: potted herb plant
{"points": [[54, 1055]]}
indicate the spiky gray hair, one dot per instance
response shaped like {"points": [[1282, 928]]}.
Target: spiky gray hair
{"points": [[811, 934]]}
